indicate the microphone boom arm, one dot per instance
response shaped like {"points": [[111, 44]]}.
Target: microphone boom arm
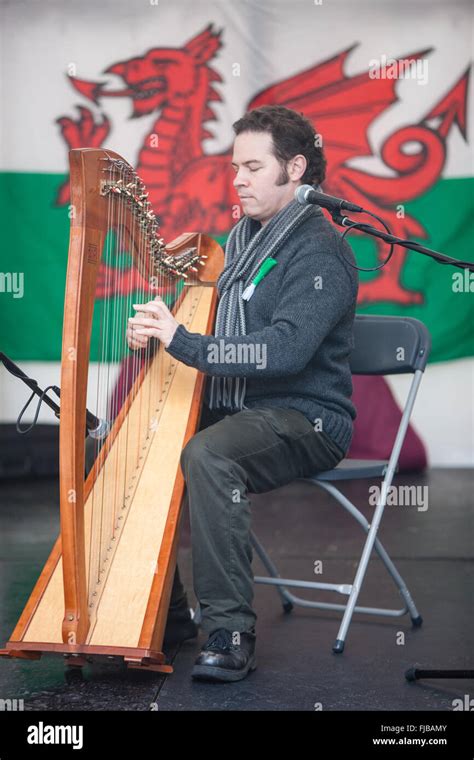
{"points": [[441, 258]]}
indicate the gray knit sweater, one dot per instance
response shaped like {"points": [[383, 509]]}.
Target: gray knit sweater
{"points": [[299, 333]]}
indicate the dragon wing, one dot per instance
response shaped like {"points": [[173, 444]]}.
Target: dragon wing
{"points": [[340, 107]]}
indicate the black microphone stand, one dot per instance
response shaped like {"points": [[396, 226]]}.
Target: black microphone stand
{"points": [[441, 258], [31, 383], [92, 422]]}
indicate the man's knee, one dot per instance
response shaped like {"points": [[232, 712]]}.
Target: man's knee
{"points": [[194, 451], [208, 451]]}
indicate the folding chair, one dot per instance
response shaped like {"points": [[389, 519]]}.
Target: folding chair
{"points": [[383, 345]]}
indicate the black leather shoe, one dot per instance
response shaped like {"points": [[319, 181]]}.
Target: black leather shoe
{"points": [[222, 660], [179, 625]]}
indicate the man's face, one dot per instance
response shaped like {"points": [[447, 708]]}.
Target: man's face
{"points": [[260, 180]]}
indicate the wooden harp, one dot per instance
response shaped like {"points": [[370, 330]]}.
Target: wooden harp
{"points": [[105, 588]]}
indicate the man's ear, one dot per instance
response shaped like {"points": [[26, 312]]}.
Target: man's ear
{"points": [[297, 167]]}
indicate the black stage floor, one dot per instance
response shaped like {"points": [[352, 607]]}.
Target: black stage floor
{"points": [[297, 670]]}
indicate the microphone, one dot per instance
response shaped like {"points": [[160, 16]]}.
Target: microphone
{"points": [[305, 194], [96, 428]]}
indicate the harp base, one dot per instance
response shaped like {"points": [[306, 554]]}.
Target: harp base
{"points": [[79, 655]]}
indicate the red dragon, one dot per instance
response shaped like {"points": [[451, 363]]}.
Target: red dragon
{"points": [[193, 190]]}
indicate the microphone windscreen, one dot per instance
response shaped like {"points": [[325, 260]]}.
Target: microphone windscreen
{"points": [[300, 193]]}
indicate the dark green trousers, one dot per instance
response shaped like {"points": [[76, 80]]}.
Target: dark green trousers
{"points": [[232, 455]]}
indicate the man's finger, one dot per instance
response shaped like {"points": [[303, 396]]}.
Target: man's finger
{"points": [[158, 307], [142, 322], [149, 331]]}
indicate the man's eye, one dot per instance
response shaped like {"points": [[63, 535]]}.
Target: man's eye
{"points": [[256, 170]]}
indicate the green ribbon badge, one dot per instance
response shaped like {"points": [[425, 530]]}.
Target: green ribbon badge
{"points": [[267, 265]]}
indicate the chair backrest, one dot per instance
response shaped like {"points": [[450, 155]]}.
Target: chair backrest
{"points": [[389, 345]]}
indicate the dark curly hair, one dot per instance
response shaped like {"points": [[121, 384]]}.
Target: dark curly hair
{"points": [[292, 133]]}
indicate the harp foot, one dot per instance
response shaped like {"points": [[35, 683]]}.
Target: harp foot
{"points": [[152, 665], [21, 655], [73, 673]]}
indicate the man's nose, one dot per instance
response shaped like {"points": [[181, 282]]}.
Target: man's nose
{"points": [[240, 180]]}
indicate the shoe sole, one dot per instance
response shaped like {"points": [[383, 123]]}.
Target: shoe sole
{"points": [[209, 673]]}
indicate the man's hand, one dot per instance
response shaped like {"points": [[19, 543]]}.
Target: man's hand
{"points": [[152, 320], [136, 341]]}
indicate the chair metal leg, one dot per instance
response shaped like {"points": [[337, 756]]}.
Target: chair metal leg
{"points": [[377, 517], [379, 548], [360, 574], [289, 599]]}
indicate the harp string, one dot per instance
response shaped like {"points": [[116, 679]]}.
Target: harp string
{"points": [[109, 338], [130, 357], [160, 360], [111, 462], [114, 234], [149, 296], [128, 244], [115, 358], [97, 492], [141, 435]]}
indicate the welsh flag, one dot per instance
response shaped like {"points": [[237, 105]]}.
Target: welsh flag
{"points": [[387, 91]]}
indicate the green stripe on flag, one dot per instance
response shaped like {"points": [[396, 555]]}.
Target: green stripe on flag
{"points": [[36, 238]]}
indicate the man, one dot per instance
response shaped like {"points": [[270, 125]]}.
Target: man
{"points": [[279, 406]]}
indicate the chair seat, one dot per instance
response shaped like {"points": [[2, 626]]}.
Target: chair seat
{"points": [[352, 469]]}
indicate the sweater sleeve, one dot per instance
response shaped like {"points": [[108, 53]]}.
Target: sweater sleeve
{"points": [[315, 293]]}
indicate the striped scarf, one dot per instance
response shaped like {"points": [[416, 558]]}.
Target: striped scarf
{"points": [[243, 258]]}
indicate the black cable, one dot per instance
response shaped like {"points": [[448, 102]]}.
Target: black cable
{"points": [[339, 217], [356, 225], [40, 401]]}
